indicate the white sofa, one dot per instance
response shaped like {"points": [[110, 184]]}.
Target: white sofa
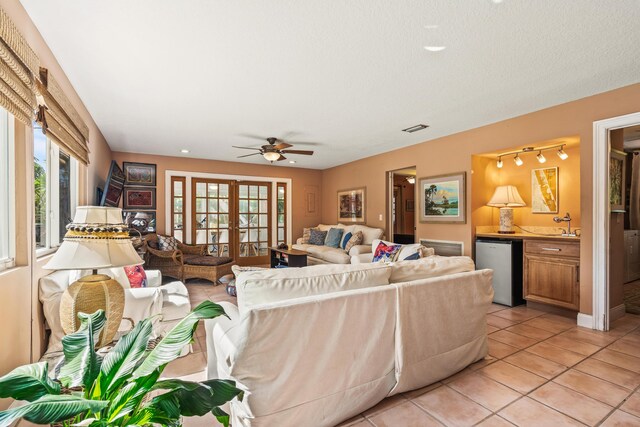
{"points": [[320, 254], [362, 333], [169, 302]]}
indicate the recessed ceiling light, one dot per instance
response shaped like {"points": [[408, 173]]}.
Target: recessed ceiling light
{"points": [[184, 150], [435, 48], [292, 161]]}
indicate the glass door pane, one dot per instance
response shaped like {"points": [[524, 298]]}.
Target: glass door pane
{"points": [[254, 225], [212, 215]]}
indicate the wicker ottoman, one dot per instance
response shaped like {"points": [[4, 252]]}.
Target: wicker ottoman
{"points": [[206, 267]]}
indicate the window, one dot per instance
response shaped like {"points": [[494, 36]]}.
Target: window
{"points": [[55, 191], [7, 199], [177, 207], [282, 212]]}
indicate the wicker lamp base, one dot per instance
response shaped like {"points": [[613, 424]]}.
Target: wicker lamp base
{"points": [[89, 294]]}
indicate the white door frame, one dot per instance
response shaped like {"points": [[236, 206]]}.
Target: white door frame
{"points": [[601, 148]]}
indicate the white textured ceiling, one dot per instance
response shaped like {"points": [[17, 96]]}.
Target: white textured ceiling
{"points": [[162, 75]]}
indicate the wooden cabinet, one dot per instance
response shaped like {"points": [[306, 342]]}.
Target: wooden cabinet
{"points": [[552, 272]]}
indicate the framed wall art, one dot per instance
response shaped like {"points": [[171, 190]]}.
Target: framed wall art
{"points": [[544, 190], [113, 186], [139, 174], [442, 198], [617, 164], [139, 198], [352, 205]]}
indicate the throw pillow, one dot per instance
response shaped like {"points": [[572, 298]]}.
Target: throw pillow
{"points": [[167, 243], [386, 253], [345, 239], [356, 239], [414, 256], [306, 234], [136, 275], [317, 237], [333, 237]]}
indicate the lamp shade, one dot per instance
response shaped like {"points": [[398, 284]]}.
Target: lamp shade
{"points": [[95, 239], [506, 196]]}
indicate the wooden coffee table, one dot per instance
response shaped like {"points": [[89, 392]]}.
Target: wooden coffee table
{"points": [[288, 257]]}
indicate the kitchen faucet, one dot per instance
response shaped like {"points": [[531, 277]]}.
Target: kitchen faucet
{"points": [[567, 219]]}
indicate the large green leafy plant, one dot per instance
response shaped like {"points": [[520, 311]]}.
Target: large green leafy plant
{"points": [[121, 389]]}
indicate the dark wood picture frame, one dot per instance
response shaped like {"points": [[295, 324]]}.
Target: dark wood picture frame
{"points": [[354, 212], [139, 198], [139, 174], [113, 186]]}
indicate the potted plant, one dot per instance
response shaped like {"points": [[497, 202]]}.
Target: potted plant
{"points": [[123, 388]]}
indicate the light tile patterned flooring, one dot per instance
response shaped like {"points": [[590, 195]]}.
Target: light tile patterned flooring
{"points": [[542, 370]]}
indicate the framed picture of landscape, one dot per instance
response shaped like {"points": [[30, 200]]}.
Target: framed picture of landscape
{"points": [[616, 180], [442, 198], [352, 205]]}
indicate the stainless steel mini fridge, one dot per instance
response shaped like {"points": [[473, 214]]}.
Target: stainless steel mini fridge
{"points": [[504, 257]]}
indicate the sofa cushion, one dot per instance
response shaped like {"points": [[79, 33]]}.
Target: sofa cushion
{"points": [[432, 266], [334, 237], [355, 240], [261, 287], [369, 234], [207, 260], [331, 255], [317, 237]]}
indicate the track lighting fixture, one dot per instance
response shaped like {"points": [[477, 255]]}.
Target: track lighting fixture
{"points": [[562, 154], [540, 156]]}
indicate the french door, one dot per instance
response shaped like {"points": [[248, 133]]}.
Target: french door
{"points": [[232, 218]]}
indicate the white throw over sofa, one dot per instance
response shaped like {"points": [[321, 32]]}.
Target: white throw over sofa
{"points": [[169, 303], [321, 254], [315, 346]]}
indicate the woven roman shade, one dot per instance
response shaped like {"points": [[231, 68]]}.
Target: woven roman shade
{"points": [[60, 121], [18, 67]]}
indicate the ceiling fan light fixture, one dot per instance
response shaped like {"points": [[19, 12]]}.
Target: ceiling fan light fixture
{"points": [[271, 156]]}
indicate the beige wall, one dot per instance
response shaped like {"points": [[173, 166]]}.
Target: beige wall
{"points": [[305, 191], [454, 154], [21, 333], [486, 176]]}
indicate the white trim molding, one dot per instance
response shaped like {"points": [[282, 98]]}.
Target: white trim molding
{"points": [[601, 212], [617, 312], [188, 175]]}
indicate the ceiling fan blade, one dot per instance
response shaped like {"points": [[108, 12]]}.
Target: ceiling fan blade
{"points": [[282, 146], [304, 152], [246, 148], [247, 155], [281, 158], [249, 135]]}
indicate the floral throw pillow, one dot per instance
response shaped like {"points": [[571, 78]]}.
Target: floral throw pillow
{"points": [[137, 276], [386, 253], [355, 240], [167, 243]]}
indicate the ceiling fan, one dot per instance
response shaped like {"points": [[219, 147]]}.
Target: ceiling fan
{"points": [[275, 150]]}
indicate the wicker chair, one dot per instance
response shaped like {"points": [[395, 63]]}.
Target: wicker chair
{"points": [[188, 262], [170, 263]]}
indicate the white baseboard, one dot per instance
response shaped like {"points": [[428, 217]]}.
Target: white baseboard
{"points": [[617, 312], [585, 320]]}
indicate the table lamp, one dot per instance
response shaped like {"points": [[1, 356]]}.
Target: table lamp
{"points": [[95, 239], [506, 197]]}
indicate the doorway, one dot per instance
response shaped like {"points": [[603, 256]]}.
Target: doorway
{"points": [[401, 205], [233, 219], [608, 178]]}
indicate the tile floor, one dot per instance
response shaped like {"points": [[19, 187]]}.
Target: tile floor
{"points": [[542, 370]]}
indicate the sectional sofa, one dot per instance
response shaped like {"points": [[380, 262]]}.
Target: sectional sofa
{"points": [[317, 345], [322, 254]]}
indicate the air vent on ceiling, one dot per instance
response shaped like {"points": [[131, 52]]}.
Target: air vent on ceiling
{"points": [[444, 247], [415, 128]]}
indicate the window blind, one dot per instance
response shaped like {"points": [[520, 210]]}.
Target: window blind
{"points": [[18, 67]]}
